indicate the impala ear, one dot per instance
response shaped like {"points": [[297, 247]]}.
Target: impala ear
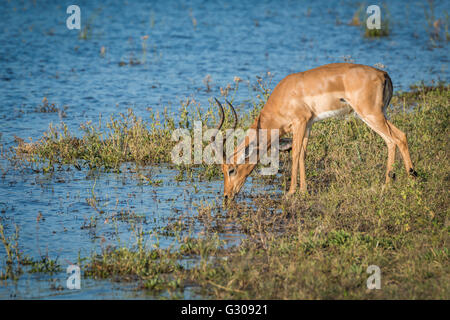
{"points": [[250, 150], [285, 144], [247, 151]]}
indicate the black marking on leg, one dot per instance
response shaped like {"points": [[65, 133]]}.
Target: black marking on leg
{"points": [[413, 172], [391, 175]]}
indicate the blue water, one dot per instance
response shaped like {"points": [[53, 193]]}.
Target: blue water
{"points": [[187, 42]]}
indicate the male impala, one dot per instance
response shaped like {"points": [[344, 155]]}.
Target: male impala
{"points": [[303, 98]]}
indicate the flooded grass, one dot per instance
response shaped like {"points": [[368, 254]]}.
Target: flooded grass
{"points": [[17, 263], [125, 139], [437, 25]]}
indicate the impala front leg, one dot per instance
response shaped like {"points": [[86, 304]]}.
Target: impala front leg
{"points": [[298, 133], [302, 162]]}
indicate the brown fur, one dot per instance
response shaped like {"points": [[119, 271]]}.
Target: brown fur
{"points": [[302, 98]]}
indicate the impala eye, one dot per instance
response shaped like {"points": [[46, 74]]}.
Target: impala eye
{"points": [[232, 171]]}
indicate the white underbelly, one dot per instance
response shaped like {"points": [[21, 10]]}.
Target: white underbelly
{"points": [[331, 114]]}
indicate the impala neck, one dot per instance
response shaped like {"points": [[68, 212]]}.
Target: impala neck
{"points": [[257, 125]]}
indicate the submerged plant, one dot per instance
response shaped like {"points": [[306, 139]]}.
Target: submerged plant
{"points": [[437, 28]]}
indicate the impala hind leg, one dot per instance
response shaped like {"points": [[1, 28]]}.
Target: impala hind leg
{"points": [[402, 144], [393, 137], [390, 161]]}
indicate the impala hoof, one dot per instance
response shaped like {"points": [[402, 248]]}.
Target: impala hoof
{"points": [[413, 173]]}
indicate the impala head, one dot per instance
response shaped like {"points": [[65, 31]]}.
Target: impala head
{"points": [[234, 175]]}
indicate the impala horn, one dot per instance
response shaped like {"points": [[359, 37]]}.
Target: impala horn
{"points": [[234, 114], [222, 119]]}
